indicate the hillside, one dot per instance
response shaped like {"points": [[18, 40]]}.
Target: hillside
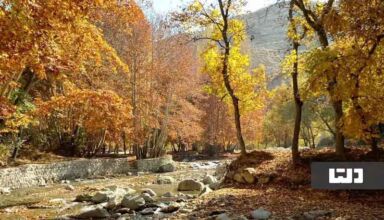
{"points": [[267, 39]]}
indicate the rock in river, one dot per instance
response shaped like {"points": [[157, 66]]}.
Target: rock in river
{"points": [[133, 202], [93, 212], [190, 185], [165, 180]]}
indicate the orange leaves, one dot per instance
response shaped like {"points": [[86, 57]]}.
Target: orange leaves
{"points": [[6, 108], [93, 111]]}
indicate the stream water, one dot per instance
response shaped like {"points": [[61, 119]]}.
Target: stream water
{"points": [[56, 200]]}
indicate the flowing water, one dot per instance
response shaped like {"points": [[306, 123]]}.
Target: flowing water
{"points": [[56, 200]]}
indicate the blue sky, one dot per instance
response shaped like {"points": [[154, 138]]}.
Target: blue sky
{"points": [[163, 6]]}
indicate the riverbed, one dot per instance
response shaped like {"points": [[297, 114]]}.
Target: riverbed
{"points": [[57, 200]]}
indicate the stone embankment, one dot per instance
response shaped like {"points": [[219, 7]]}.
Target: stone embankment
{"points": [[41, 174]]}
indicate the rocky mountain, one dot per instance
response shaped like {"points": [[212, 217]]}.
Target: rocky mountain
{"points": [[267, 41]]}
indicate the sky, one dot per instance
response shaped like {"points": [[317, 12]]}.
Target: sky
{"points": [[164, 6]]}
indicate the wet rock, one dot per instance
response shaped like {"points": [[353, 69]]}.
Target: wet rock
{"points": [[123, 210], [169, 209], [102, 196], [116, 215], [169, 167], [83, 198], [148, 211], [215, 186], [190, 196], [132, 202], [129, 191], [165, 180], [190, 185], [180, 200], [209, 179], [205, 191], [311, 215], [93, 212], [260, 214], [168, 195], [113, 203], [149, 191], [148, 198], [221, 171]]}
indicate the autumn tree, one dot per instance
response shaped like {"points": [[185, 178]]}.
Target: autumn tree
{"points": [[357, 54], [226, 65], [315, 15], [47, 45]]}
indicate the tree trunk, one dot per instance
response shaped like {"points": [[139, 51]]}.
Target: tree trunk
{"points": [[225, 73], [338, 108], [318, 27], [296, 96]]}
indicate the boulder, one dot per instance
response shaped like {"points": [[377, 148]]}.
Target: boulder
{"points": [[169, 209], [123, 210], [148, 211], [133, 202], [165, 180], [249, 175], [102, 196], [221, 171], [148, 198], [149, 191], [215, 186], [83, 198], [167, 195], [238, 178], [260, 214], [209, 180], [166, 168], [113, 203], [205, 191], [129, 191], [93, 212], [190, 185]]}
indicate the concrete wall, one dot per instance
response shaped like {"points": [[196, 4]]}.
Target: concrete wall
{"points": [[39, 174]]}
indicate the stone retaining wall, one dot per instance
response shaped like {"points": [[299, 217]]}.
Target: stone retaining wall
{"points": [[41, 174], [153, 164]]}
